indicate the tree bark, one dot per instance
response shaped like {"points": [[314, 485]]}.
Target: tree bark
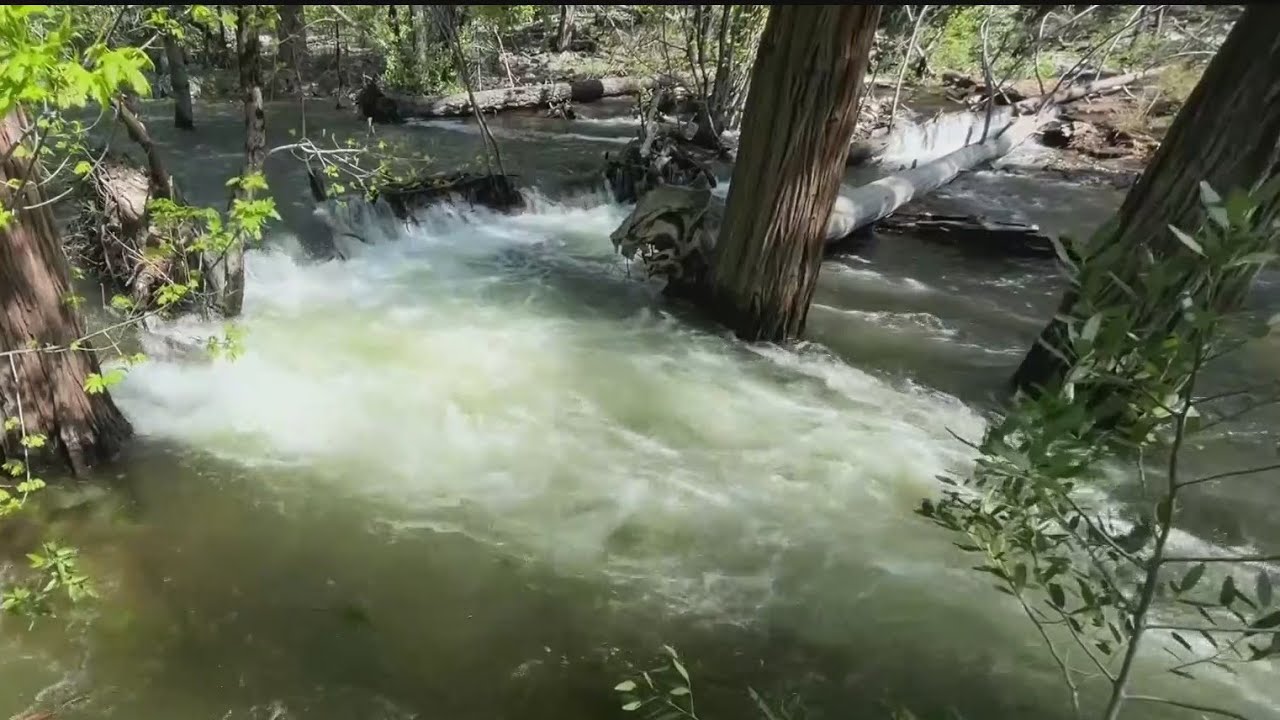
{"points": [[1226, 134], [45, 389], [564, 29], [397, 108], [291, 45], [183, 117], [800, 115], [224, 272]]}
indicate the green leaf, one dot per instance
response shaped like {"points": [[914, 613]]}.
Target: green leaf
{"points": [[1228, 592], [1219, 216], [1181, 641], [1266, 622], [625, 686], [633, 705], [1263, 588], [679, 691], [1056, 595], [11, 424], [680, 669], [83, 168], [1187, 240], [1208, 195], [1091, 327], [1191, 578], [1256, 258]]}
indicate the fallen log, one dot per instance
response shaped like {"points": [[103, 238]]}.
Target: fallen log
{"points": [[673, 229], [881, 145], [381, 107], [1077, 92], [878, 199]]}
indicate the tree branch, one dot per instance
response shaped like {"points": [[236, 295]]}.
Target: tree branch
{"points": [[1187, 706], [1233, 473]]}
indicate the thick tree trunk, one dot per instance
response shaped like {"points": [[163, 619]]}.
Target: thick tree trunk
{"points": [[1226, 134], [395, 108], [44, 390], [564, 29], [183, 117], [291, 45], [800, 114]]}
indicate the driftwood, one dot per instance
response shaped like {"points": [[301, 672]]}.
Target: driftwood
{"points": [[972, 234], [384, 108], [662, 158], [114, 236]]}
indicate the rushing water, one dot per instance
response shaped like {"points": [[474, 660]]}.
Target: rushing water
{"points": [[475, 470]]}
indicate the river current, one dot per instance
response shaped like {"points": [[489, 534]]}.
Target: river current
{"points": [[478, 469]]}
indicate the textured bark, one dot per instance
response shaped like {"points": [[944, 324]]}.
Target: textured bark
{"points": [[393, 108], [800, 115], [183, 118], [564, 29], [224, 272], [1226, 134], [291, 45], [45, 388]]}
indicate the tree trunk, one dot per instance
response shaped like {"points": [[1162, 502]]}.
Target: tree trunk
{"points": [[222, 36], [1226, 134], [397, 108], [291, 45], [337, 59], [183, 118], [800, 115], [564, 29], [224, 273], [44, 390]]}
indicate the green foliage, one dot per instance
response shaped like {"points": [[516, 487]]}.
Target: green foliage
{"points": [[1142, 332], [665, 691], [39, 63]]}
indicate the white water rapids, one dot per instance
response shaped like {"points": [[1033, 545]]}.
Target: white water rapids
{"points": [[502, 378]]}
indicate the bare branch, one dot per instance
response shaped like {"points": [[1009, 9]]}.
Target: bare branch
{"points": [[1233, 473], [1187, 706]]}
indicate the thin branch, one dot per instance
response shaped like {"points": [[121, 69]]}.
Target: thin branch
{"points": [[1219, 559], [1053, 650], [1233, 473], [1214, 629], [1187, 706]]}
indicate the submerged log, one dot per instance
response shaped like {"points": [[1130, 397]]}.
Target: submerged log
{"points": [[673, 229], [496, 192], [972, 234], [383, 214], [384, 108]]}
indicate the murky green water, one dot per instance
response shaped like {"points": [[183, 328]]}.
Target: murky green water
{"points": [[477, 471]]}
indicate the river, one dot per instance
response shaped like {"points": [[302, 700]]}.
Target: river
{"points": [[479, 471]]}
